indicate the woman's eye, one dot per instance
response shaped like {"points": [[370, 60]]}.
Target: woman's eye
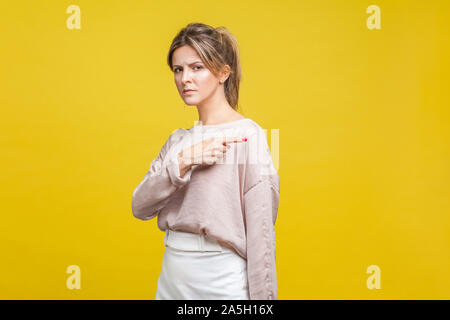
{"points": [[175, 70]]}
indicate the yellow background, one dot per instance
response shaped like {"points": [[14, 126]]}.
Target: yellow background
{"points": [[363, 118]]}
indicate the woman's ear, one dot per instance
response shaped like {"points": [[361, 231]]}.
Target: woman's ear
{"points": [[225, 73]]}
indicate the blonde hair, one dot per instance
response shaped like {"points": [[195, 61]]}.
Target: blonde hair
{"points": [[216, 47]]}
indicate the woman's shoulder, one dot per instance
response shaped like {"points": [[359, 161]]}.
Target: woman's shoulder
{"points": [[178, 133], [255, 134], [245, 126], [174, 137]]}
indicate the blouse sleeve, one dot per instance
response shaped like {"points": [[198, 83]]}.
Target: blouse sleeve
{"points": [[160, 182], [261, 199]]}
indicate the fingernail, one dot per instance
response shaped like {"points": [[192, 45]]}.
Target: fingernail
{"points": [[245, 139]]}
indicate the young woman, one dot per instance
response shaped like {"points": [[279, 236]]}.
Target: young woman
{"points": [[213, 186]]}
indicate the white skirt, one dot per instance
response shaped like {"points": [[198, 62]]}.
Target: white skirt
{"points": [[196, 267]]}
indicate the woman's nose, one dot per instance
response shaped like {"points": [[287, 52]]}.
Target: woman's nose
{"points": [[186, 76]]}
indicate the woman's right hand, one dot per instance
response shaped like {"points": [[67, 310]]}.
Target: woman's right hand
{"points": [[206, 152]]}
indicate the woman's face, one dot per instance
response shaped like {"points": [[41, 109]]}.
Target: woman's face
{"points": [[191, 73]]}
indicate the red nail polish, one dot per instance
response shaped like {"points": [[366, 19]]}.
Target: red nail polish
{"points": [[245, 139]]}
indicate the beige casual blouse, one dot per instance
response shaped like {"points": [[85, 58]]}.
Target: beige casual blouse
{"points": [[234, 200]]}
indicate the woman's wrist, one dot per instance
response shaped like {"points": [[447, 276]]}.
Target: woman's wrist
{"points": [[184, 163]]}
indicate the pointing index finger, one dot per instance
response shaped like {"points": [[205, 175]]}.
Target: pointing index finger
{"points": [[233, 139]]}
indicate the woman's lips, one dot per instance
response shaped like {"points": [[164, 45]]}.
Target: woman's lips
{"points": [[188, 91]]}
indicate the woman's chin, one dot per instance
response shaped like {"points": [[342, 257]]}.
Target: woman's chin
{"points": [[190, 102]]}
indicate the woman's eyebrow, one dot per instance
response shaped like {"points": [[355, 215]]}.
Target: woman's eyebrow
{"points": [[190, 64]]}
